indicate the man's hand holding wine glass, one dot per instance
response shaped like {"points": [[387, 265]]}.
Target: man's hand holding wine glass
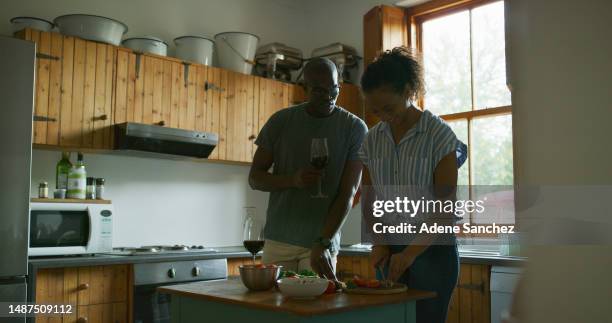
{"points": [[306, 177]]}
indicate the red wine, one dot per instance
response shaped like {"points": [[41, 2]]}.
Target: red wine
{"points": [[254, 246], [319, 162]]}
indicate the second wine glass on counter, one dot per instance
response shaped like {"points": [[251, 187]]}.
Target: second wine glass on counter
{"points": [[253, 233], [319, 155]]}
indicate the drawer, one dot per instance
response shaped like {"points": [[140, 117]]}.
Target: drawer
{"points": [[103, 313], [102, 284]]}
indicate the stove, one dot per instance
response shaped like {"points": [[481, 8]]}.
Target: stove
{"points": [[161, 249]]}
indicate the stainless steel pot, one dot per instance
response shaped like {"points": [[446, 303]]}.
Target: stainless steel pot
{"points": [[146, 44], [96, 28], [20, 23], [257, 279]]}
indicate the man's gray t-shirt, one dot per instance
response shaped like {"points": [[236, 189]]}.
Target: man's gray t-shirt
{"points": [[293, 216]]}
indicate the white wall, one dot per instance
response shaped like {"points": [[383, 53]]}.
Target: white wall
{"points": [[272, 20], [160, 201], [559, 54]]}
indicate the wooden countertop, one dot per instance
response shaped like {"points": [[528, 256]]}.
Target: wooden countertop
{"points": [[232, 291], [83, 201]]}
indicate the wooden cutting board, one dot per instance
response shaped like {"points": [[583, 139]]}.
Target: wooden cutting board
{"points": [[395, 289]]}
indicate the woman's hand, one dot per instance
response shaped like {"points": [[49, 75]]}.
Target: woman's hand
{"points": [[379, 255], [399, 263]]}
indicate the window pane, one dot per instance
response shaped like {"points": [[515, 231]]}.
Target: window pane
{"points": [[492, 150], [446, 63], [488, 50], [461, 131]]}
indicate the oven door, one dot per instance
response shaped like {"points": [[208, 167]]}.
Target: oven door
{"points": [[151, 305], [59, 229]]}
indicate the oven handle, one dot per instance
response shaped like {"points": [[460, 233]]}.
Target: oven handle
{"points": [[92, 224]]}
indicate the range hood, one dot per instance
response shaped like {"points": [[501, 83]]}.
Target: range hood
{"points": [[162, 140]]}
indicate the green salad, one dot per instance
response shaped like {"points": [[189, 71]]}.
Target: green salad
{"points": [[304, 273]]}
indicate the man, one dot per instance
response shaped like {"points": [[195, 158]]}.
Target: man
{"points": [[302, 231]]}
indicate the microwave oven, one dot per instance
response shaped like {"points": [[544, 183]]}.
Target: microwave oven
{"points": [[63, 228]]}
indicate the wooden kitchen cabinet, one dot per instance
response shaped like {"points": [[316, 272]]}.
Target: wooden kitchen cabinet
{"points": [[158, 91], [471, 301], [74, 90], [85, 87], [384, 27], [98, 293], [350, 99], [103, 313], [349, 266]]}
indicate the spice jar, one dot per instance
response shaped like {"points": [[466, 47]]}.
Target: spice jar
{"points": [[43, 190], [90, 189], [100, 188]]}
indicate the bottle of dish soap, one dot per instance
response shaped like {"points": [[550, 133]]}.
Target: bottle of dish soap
{"points": [[62, 170], [77, 179]]}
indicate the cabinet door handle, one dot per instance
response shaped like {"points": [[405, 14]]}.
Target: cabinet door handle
{"points": [[43, 119], [251, 137], [83, 286], [212, 86], [476, 287], [103, 117], [47, 56], [82, 320], [160, 123]]}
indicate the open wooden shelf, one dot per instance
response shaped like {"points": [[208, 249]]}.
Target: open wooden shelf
{"points": [[52, 200]]}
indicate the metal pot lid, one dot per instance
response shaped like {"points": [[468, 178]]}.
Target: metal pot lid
{"points": [[145, 38], [189, 36], [34, 18], [237, 32], [88, 15]]}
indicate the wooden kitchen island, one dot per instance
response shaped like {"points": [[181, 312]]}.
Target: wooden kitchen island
{"points": [[229, 301]]}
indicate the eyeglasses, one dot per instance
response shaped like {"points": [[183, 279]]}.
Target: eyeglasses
{"points": [[330, 92]]}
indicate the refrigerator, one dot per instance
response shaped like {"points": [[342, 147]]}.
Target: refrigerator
{"points": [[17, 75]]}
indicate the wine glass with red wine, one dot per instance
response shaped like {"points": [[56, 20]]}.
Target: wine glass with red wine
{"points": [[319, 154], [253, 235]]}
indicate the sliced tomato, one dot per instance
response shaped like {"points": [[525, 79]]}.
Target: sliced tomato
{"points": [[360, 282], [331, 287], [373, 283]]}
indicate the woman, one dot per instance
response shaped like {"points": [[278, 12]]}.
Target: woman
{"points": [[410, 148]]}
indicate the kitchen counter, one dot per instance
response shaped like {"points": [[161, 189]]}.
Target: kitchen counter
{"points": [[479, 258], [104, 259], [229, 301], [231, 252]]}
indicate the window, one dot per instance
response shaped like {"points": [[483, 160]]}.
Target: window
{"points": [[463, 48]]}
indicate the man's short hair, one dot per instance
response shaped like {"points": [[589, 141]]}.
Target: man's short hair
{"points": [[320, 65]]}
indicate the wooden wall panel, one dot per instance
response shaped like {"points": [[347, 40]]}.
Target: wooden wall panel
{"points": [[73, 134], [41, 100], [121, 82], [66, 101], [201, 97], [166, 101], [55, 92], [213, 106]]}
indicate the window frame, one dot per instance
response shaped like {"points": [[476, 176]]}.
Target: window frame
{"points": [[419, 14]]}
